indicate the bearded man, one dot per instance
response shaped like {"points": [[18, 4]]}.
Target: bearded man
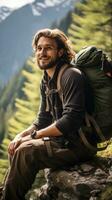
{"points": [[52, 141]]}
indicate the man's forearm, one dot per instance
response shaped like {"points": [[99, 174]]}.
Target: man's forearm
{"points": [[26, 131], [50, 131]]}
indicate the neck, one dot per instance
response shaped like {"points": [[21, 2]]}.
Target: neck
{"points": [[51, 71]]}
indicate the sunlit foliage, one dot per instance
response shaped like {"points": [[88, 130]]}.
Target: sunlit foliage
{"points": [[92, 25]]}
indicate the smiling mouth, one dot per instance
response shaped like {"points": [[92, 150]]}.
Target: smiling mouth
{"points": [[44, 59]]}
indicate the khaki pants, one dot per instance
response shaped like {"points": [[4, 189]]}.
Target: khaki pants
{"points": [[29, 158]]}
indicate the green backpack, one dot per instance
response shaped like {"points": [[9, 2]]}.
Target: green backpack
{"points": [[95, 65]]}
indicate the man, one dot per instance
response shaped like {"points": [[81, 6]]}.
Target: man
{"points": [[52, 141]]}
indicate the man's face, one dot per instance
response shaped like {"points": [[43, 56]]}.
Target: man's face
{"points": [[47, 53]]}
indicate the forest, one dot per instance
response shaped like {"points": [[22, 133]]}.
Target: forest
{"points": [[90, 23]]}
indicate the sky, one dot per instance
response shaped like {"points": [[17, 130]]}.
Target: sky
{"points": [[15, 3]]}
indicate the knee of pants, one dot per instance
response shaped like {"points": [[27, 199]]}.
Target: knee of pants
{"points": [[30, 150], [23, 154]]}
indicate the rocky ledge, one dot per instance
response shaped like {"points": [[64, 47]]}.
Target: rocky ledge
{"points": [[91, 180]]}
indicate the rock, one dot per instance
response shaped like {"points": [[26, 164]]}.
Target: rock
{"points": [[87, 181]]}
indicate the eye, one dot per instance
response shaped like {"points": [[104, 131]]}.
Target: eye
{"points": [[39, 48], [49, 48]]}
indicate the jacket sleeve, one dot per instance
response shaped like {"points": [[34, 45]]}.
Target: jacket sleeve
{"points": [[44, 117], [73, 90]]}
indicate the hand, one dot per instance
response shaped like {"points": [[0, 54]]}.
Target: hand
{"points": [[16, 142], [13, 145], [20, 138], [25, 138]]}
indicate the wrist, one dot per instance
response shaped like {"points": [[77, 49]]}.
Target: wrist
{"points": [[33, 134]]}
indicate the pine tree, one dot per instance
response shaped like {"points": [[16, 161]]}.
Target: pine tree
{"points": [[92, 25], [25, 111], [26, 108]]}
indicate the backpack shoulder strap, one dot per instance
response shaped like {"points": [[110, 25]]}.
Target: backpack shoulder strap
{"points": [[60, 74], [62, 70]]}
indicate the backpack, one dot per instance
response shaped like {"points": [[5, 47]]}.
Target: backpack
{"points": [[94, 64]]}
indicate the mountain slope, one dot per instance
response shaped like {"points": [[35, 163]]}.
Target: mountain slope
{"points": [[17, 30]]}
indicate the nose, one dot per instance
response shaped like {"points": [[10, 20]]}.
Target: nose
{"points": [[43, 51]]}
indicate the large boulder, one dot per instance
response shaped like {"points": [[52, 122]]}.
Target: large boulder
{"points": [[91, 180]]}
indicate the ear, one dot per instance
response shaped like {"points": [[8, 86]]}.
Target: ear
{"points": [[60, 52]]}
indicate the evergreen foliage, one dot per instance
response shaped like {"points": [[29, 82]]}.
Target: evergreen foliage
{"points": [[24, 110], [92, 25], [7, 101], [27, 107]]}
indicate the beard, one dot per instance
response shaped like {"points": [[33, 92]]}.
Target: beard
{"points": [[43, 65]]}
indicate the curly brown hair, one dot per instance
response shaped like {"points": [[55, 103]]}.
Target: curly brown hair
{"points": [[61, 40]]}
